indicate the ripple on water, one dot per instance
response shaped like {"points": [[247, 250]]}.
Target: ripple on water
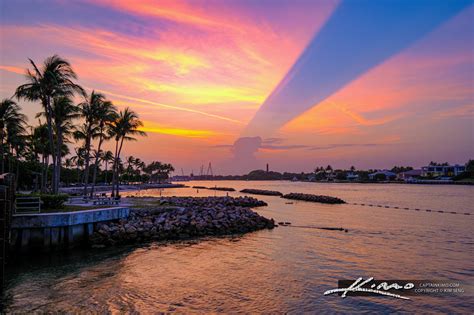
{"points": [[283, 270]]}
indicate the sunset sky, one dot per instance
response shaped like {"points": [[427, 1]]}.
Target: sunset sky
{"points": [[395, 89]]}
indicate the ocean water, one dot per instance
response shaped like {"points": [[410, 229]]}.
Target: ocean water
{"points": [[284, 270]]}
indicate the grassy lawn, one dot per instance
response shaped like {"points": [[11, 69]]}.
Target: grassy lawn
{"points": [[73, 208]]}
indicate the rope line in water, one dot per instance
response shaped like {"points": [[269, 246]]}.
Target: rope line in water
{"points": [[413, 209]]}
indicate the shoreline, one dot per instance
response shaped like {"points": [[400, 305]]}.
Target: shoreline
{"points": [[143, 220], [123, 188], [180, 218], [434, 182]]}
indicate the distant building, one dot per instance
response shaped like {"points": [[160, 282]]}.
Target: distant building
{"points": [[352, 176], [388, 175], [442, 170], [178, 178], [409, 174]]}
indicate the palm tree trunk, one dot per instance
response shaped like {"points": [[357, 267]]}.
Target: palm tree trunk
{"points": [[46, 171], [114, 167], [17, 173], [106, 164], [96, 164], [78, 174], [42, 172], [118, 157], [2, 149], [87, 162], [57, 170], [49, 122], [10, 160]]}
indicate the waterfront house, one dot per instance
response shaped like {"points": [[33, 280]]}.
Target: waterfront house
{"points": [[352, 176], [383, 174], [442, 170], [409, 174]]}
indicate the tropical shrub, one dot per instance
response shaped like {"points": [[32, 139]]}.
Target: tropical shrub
{"points": [[51, 202]]}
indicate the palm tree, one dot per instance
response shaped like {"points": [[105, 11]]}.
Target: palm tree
{"points": [[166, 169], [140, 165], [78, 159], [158, 171], [17, 141], [108, 157], [106, 113], [64, 112], [89, 111], [125, 126], [40, 144], [130, 164], [53, 80], [11, 122]]}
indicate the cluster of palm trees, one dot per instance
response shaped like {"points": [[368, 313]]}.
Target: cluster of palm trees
{"points": [[91, 122]]}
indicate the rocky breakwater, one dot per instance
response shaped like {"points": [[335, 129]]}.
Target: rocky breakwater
{"points": [[222, 188], [188, 217], [314, 198], [261, 192]]}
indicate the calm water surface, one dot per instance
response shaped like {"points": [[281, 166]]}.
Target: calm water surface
{"points": [[283, 270]]}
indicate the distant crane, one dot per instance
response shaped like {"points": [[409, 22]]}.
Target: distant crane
{"points": [[209, 170]]}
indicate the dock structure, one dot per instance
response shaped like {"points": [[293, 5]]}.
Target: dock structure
{"points": [[47, 232], [7, 199]]}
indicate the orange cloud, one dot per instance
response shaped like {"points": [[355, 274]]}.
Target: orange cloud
{"points": [[176, 11], [109, 93], [464, 111], [156, 128], [13, 69], [361, 120]]}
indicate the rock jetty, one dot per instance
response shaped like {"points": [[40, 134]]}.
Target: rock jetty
{"points": [[222, 188], [261, 192], [200, 187], [188, 218], [314, 198], [246, 201]]}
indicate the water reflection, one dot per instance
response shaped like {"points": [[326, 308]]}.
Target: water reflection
{"points": [[283, 270]]}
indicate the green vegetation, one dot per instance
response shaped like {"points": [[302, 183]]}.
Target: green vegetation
{"points": [[73, 208], [40, 155], [468, 175], [53, 202], [49, 201]]}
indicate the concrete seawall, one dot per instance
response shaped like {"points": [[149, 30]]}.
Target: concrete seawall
{"points": [[53, 231]]}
